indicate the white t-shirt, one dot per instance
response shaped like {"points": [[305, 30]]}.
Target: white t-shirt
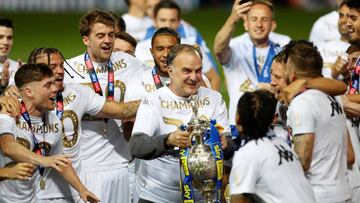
{"points": [[136, 26], [77, 100], [162, 112], [325, 29], [143, 85], [354, 170], [270, 169], [96, 147], [13, 68], [49, 133], [240, 70], [315, 112], [280, 126], [329, 52], [143, 53]]}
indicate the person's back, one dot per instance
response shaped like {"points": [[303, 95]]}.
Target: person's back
{"points": [[271, 160], [314, 111], [264, 164]]}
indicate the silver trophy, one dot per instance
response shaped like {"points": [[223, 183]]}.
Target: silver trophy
{"points": [[200, 160]]}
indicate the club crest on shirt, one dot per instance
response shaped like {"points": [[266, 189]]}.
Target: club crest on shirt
{"points": [[246, 86]]}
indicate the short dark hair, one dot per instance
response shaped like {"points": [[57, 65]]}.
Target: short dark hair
{"points": [[166, 31], [167, 4], [306, 59], [353, 4], [181, 48], [353, 48], [6, 22], [92, 17], [256, 111], [283, 55], [119, 21], [127, 37], [28, 73], [35, 53]]}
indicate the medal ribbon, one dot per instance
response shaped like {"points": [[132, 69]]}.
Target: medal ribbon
{"points": [[156, 78], [59, 105], [215, 145], [264, 76], [36, 149], [95, 81], [187, 191]]}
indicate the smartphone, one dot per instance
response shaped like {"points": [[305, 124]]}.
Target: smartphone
{"points": [[244, 1]]}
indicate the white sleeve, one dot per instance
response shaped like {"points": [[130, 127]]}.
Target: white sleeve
{"points": [[244, 172], [147, 117], [221, 115], [134, 91], [316, 33], [92, 101], [206, 62], [7, 125], [300, 117]]}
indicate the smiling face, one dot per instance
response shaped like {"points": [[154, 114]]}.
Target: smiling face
{"points": [[353, 24], [100, 42], [185, 74], [42, 93], [56, 65], [259, 23], [167, 17], [343, 15], [278, 79], [161, 47], [6, 40]]}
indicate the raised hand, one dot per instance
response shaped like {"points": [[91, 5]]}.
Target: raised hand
{"points": [[5, 74], [239, 10], [10, 105]]}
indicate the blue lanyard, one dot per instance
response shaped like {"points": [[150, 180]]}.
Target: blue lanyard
{"points": [[264, 76]]}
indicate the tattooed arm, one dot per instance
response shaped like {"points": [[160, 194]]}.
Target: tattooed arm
{"points": [[303, 146], [240, 198], [119, 110]]}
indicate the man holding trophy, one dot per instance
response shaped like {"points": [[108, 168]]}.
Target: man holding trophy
{"points": [[160, 131]]}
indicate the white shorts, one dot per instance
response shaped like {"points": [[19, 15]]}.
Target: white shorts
{"points": [[355, 195], [110, 183]]}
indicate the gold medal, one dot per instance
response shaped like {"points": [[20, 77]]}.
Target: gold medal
{"points": [[42, 184]]}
